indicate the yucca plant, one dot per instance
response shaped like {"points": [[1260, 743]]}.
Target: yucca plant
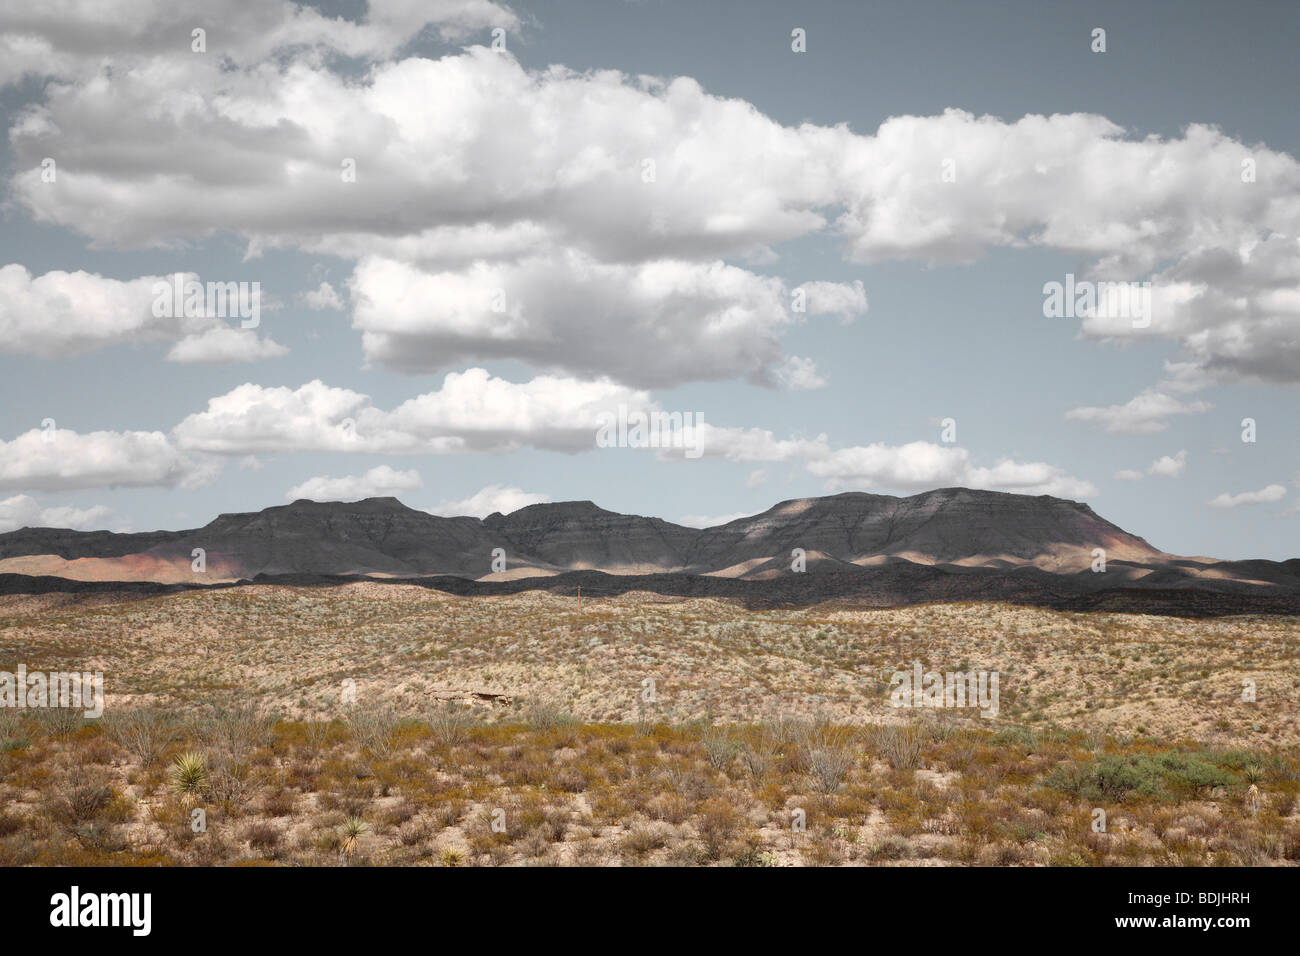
{"points": [[189, 773], [353, 827], [452, 856]]}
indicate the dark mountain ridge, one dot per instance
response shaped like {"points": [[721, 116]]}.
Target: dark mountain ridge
{"points": [[947, 544]]}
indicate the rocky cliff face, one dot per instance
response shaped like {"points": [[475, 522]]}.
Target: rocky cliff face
{"points": [[580, 536], [375, 535], [80, 544], [948, 526]]}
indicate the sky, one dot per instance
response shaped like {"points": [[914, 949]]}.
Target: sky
{"points": [[438, 245]]}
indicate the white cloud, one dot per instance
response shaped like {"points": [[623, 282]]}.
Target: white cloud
{"points": [[471, 141], [22, 511], [749, 444], [67, 38], [800, 374], [1167, 466], [224, 346], [844, 299], [480, 412], [920, 465], [1265, 495], [380, 481], [61, 314], [1069, 181], [323, 297], [488, 500], [1232, 310], [472, 411], [651, 324], [253, 419], [61, 459], [503, 172], [1221, 254], [1144, 414], [531, 183]]}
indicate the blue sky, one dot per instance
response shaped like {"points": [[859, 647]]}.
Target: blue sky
{"points": [[522, 171]]}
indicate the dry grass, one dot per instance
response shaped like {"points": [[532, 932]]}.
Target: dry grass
{"points": [[292, 649], [647, 732], [602, 794]]}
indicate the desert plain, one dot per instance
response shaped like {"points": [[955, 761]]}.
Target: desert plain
{"points": [[386, 723]]}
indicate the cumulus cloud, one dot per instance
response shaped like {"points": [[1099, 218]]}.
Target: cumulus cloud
{"points": [[23, 511], [472, 411], [253, 419], [67, 38], [471, 141], [323, 297], [1144, 414], [488, 500], [59, 460], [471, 167], [1233, 311], [61, 314], [224, 346], [920, 465], [798, 373], [844, 299], [1169, 466], [651, 324], [747, 444], [1069, 181], [380, 481], [534, 184], [1221, 253], [1166, 466], [606, 210], [1265, 495]]}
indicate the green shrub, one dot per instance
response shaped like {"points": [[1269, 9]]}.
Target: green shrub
{"points": [[1116, 778]]}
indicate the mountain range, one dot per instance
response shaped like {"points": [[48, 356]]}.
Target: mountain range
{"points": [[948, 544]]}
